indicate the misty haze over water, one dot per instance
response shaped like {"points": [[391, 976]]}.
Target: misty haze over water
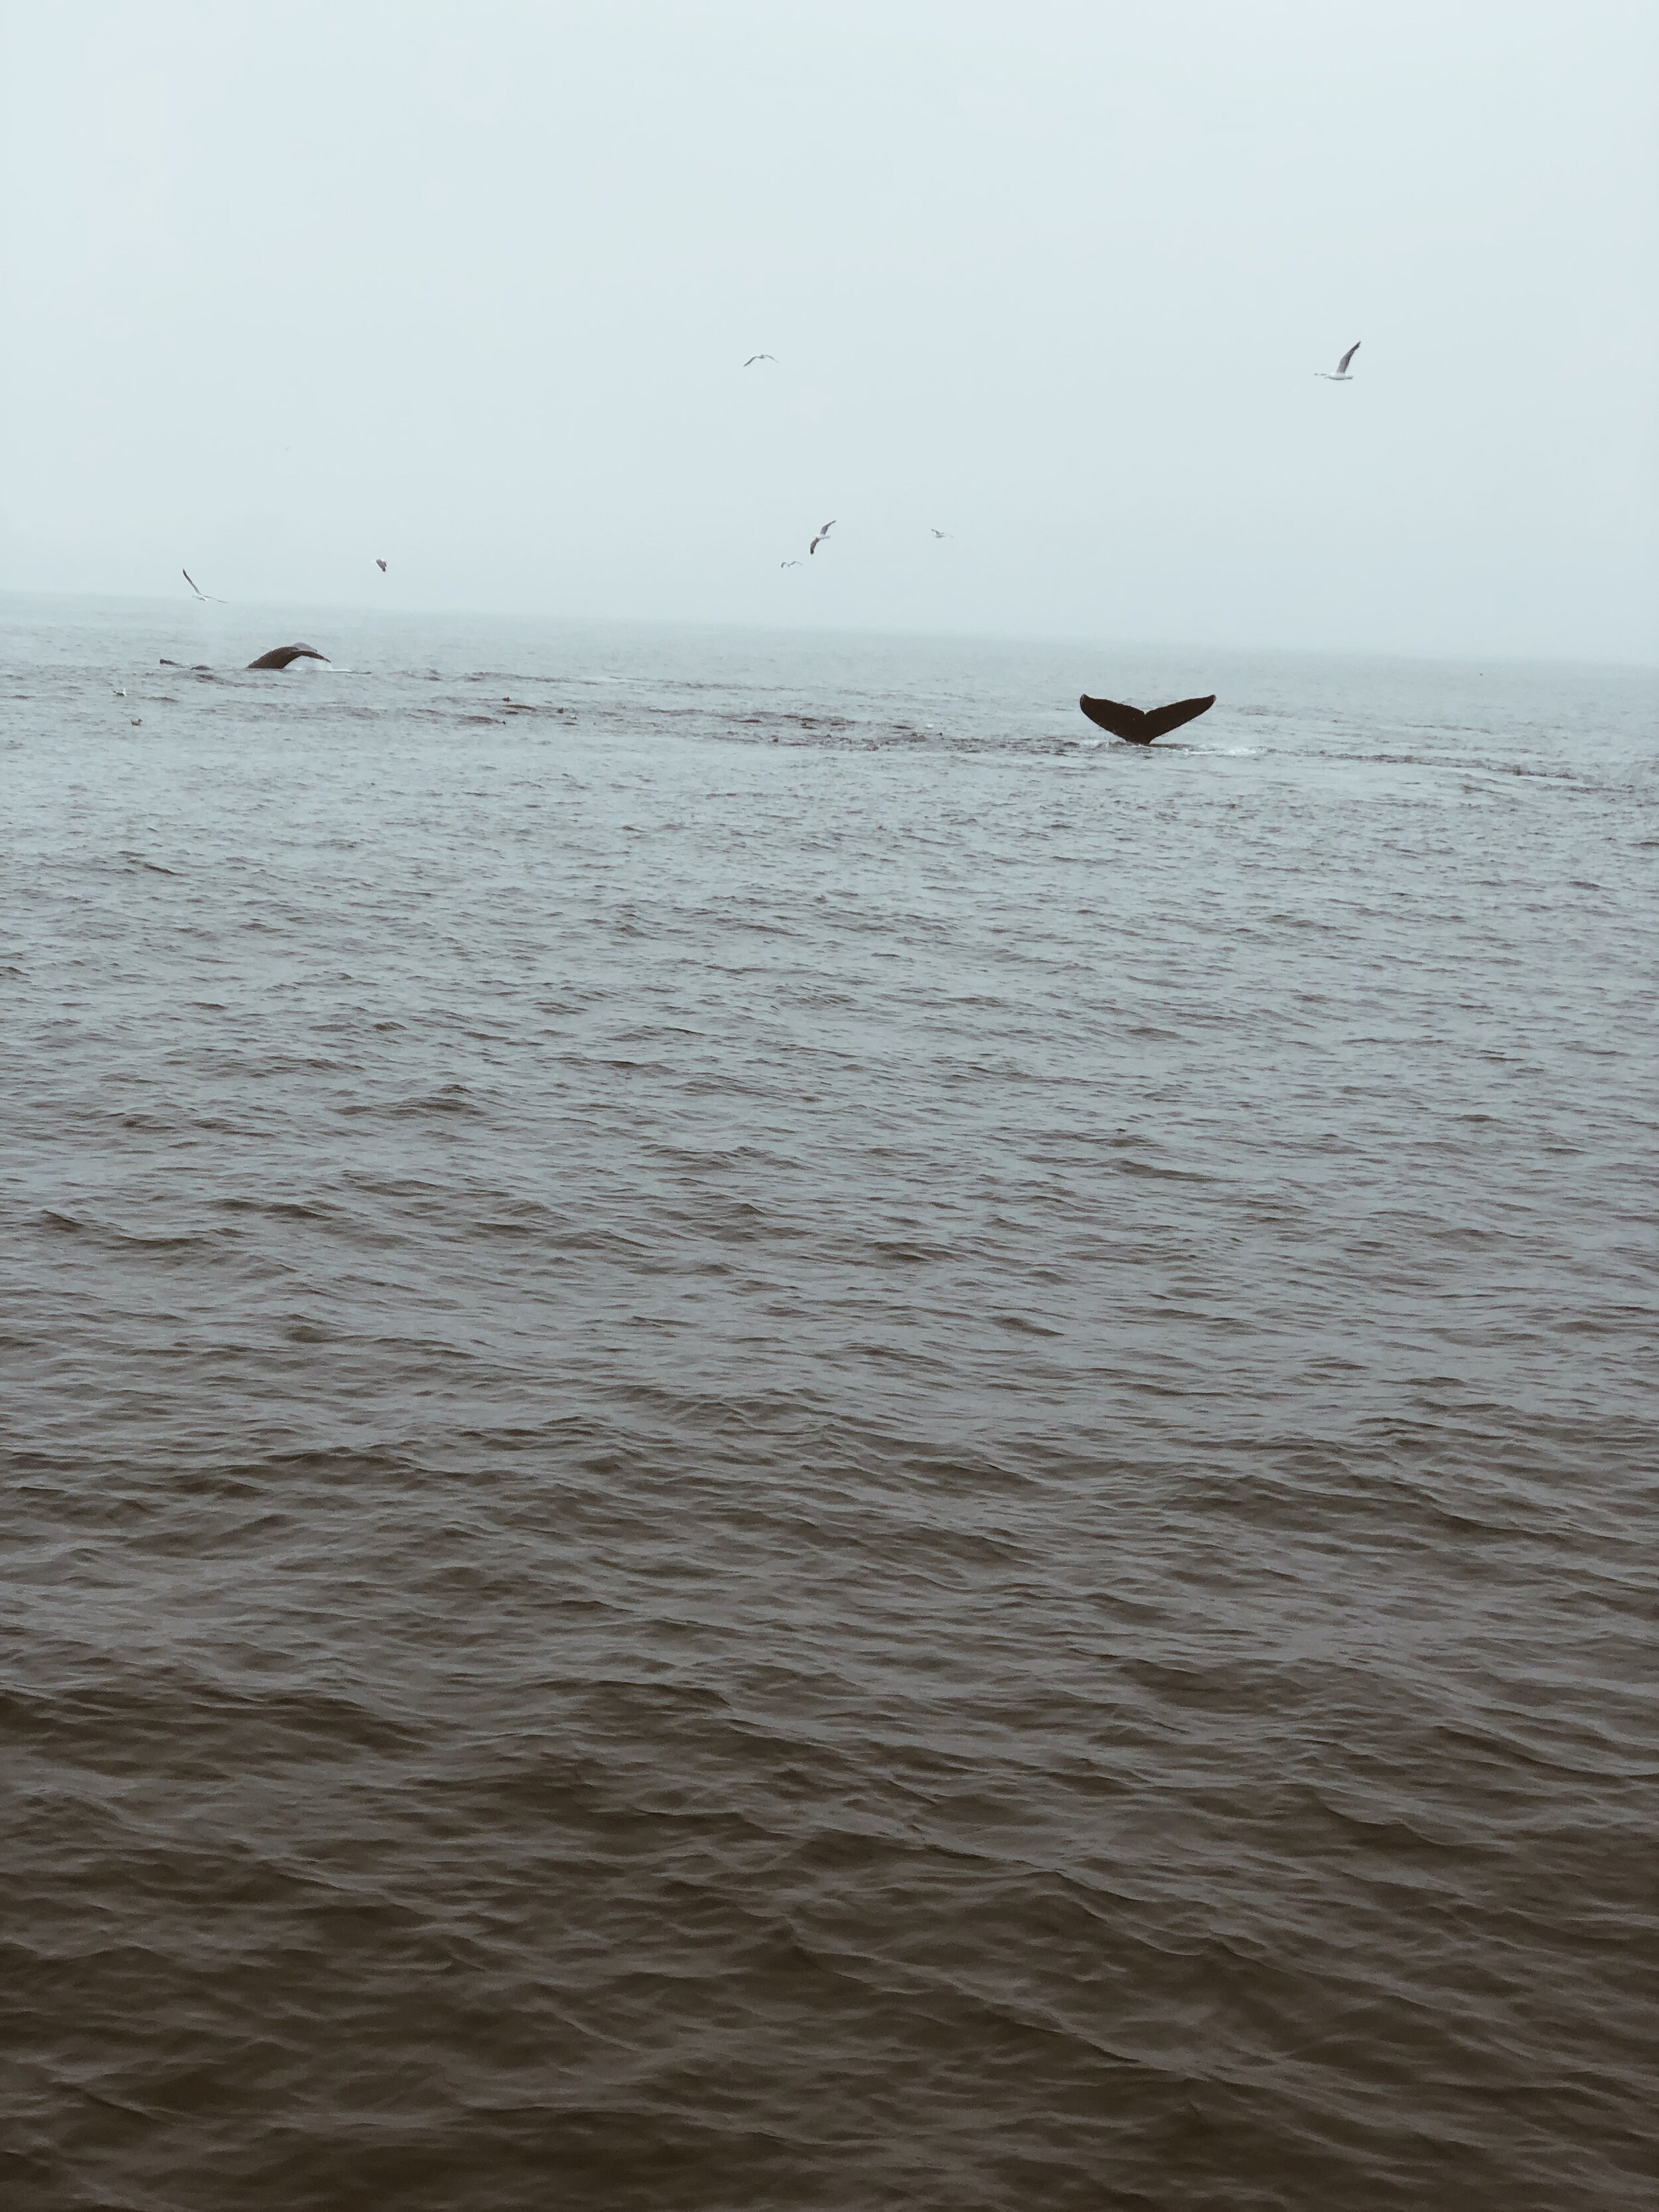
{"points": [[775, 1435], [294, 288]]}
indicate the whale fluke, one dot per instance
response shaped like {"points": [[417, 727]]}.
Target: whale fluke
{"points": [[280, 655], [1141, 729]]}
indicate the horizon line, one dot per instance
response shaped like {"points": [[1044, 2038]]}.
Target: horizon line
{"points": [[752, 626]]}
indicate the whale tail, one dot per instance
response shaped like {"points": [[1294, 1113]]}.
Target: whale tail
{"points": [[280, 655], [1139, 728]]}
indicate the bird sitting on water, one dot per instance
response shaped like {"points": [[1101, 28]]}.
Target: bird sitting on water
{"points": [[1341, 375], [822, 535]]}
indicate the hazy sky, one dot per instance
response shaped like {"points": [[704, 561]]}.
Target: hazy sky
{"points": [[289, 286]]}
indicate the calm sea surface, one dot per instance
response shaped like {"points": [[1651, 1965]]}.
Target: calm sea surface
{"points": [[777, 1436]]}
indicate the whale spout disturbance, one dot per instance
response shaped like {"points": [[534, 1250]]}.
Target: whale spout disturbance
{"points": [[1141, 729], [280, 655]]}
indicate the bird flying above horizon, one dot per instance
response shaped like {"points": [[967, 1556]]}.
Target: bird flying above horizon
{"points": [[379, 564], [822, 535], [937, 533], [754, 358], [1341, 375], [197, 588], [789, 564]]}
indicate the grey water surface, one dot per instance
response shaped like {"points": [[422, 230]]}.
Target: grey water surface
{"points": [[779, 1437]]}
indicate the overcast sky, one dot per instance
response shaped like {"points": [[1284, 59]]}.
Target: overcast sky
{"points": [[469, 287]]}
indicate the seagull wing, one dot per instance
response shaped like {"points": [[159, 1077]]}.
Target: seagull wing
{"points": [[191, 582], [1342, 365]]}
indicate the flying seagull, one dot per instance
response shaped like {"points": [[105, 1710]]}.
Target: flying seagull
{"points": [[789, 564], [822, 535], [754, 358], [197, 588], [380, 565], [937, 533], [1141, 727], [280, 655], [1342, 376]]}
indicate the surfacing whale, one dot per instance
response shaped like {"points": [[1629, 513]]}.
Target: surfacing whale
{"points": [[1141, 729], [280, 655]]}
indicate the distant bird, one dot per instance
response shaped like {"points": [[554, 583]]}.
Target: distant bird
{"points": [[1140, 726], [197, 588], [754, 358], [1342, 376], [380, 565], [937, 533], [280, 655], [822, 535], [789, 564]]}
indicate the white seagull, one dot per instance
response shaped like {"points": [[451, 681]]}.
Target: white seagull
{"points": [[822, 535], [754, 358], [1342, 376], [197, 588]]}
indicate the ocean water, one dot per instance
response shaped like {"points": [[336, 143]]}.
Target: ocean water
{"points": [[778, 1436]]}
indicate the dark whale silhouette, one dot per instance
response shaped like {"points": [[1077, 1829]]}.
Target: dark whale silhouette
{"points": [[280, 655], [1141, 729]]}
